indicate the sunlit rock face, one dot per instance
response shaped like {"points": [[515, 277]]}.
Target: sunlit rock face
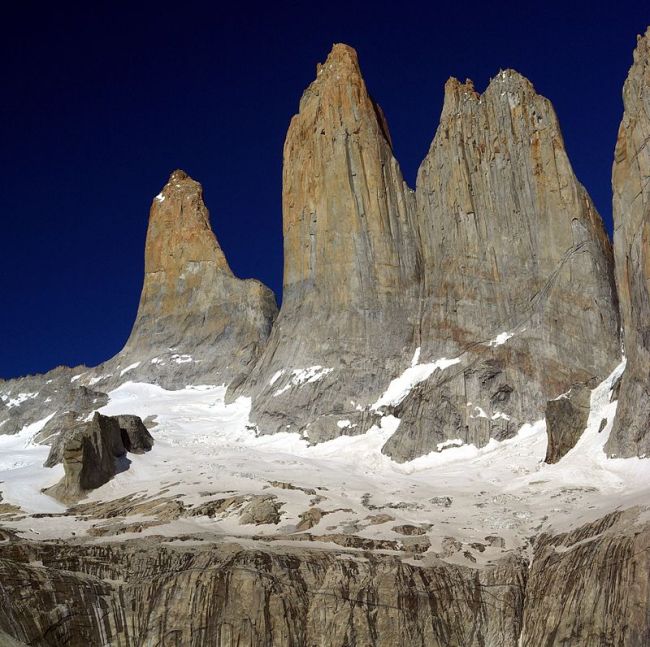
{"points": [[196, 320], [352, 263], [631, 183], [517, 270]]}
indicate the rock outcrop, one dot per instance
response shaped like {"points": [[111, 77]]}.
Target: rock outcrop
{"points": [[28, 400], [352, 263], [585, 587], [93, 452], [631, 183], [566, 419], [517, 271], [590, 586], [226, 595], [135, 436], [196, 320]]}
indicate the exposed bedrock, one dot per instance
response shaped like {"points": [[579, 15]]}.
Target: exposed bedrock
{"points": [[93, 452], [590, 586], [631, 183], [585, 587], [499, 260], [566, 418], [352, 262], [225, 595], [196, 320], [517, 271]]}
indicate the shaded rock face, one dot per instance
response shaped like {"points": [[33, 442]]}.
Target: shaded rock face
{"points": [[590, 586], [352, 262], [135, 436], [226, 595], [566, 419], [196, 320], [93, 452], [631, 183], [517, 270]]}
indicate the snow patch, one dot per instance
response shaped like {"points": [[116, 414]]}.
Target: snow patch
{"points": [[401, 386], [453, 442], [501, 338], [129, 368], [302, 376], [19, 399], [276, 376]]}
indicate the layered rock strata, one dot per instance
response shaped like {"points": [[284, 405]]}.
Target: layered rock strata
{"points": [[631, 184], [226, 595], [352, 263], [588, 586]]}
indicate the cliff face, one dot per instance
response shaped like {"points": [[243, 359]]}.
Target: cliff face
{"points": [[586, 587], [195, 320], [517, 270], [226, 595], [499, 262], [631, 184], [352, 262]]}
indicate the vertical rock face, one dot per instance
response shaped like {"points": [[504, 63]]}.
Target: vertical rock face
{"points": [[518, 275], [566, 419], [631, 182], [352, 266], [195, 317]]}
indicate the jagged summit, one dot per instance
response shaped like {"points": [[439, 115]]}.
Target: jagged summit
{"points": [[179, 230], [195, 318], [351, 272]]}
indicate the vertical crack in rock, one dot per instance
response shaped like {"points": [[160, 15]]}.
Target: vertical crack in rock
{"points": [[352, 262], [517, 271]]}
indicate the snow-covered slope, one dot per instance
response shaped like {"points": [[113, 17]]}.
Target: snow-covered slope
{"points": [[205, 449]]}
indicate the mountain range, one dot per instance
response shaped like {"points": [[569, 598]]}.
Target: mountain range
{"points": [[451, 405]]}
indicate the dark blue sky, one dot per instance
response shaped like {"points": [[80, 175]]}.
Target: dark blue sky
{"points": [[100, 105]]}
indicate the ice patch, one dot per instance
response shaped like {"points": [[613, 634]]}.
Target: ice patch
{"points": [[302, 376], [401, 386], [76, 377], [345, 424], [129, 368], [276, 376], [181, 359], [501, 338], [19, 399], [160, 197]]}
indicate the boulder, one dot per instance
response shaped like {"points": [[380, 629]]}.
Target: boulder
{"points": [[566, 419], [91, 457]]}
